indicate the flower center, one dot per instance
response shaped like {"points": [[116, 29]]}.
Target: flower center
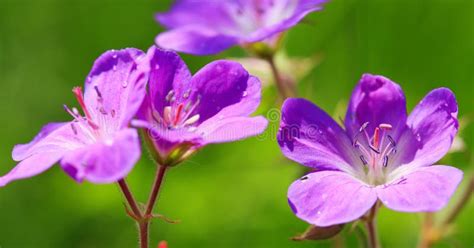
{"points": [[179, 112], [375, 152], [86, 123]]}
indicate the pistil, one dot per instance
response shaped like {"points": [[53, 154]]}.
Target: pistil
{"points": [[376, 157]]}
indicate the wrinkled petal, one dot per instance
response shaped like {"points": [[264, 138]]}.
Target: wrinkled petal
{"points": [[232, 129], [31, 166], [104, 162], [376, 99], [167, 72], [218, 85], [311, 137], [424, 189], [330, 197], [195, 40], [433, 125], [115, 87]]}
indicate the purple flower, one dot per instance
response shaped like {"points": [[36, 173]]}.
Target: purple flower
{"points": [[99, 146], [182, 113], [208, 26], [382, 153]]}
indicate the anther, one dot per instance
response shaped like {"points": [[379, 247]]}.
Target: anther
{"points": [[385, 126], [73, 127], [364, 161], [192, 120], [96, 88], [374, 149], [66, 108], [363, 127], [169, 96], [385, 161], [392, 142], [167, 114]]}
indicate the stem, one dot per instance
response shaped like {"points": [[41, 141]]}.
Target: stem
{"points": [[371, 229], [284, 89], [426, 232], [462, 203], [143, 228], [144, 224], [129, 197], [143, 220], [155, 190]]}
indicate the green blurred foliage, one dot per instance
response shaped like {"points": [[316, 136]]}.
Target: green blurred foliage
{"points": [[230, 195]]}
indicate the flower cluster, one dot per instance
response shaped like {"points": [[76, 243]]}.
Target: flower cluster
{"points": [[179, 113], [381, 155]]}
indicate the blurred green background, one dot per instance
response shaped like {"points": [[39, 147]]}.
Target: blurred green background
{"points": [[230, 195]]}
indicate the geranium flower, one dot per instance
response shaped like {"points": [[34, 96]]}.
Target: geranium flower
{"points": [[99, 146], [182, 113], [204, 27], [381, 155]]}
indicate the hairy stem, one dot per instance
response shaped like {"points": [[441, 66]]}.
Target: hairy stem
{"points": [[129, 197], [155, 189], [143, 229], [284, 88], [143, 219], [144, 224], [371, 228]]}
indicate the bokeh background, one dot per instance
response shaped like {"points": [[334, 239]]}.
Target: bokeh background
{"points": [[230, 195]]}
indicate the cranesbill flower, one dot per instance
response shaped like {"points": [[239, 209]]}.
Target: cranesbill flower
{"points": [[99, 146], [382, 153], [208, 26], [182, 113]]}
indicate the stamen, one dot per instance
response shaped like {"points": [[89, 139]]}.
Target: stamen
{"points": [[304, 178], [363, 127], [75, 111], [355, 143], [192, 120], [385, 161], [73, 127], [364, 161], [78, 92], [73, 114], [374, 149], [169, 96], [167, 114], [392, 142], [385, 126]]}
